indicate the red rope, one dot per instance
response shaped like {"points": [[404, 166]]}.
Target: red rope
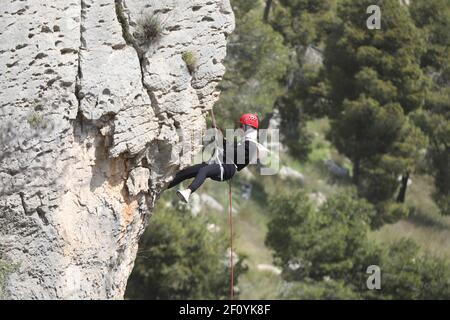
{"points": [[231, 245]]}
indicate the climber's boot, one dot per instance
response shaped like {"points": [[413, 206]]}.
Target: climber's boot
{"points": [[184, 195]]}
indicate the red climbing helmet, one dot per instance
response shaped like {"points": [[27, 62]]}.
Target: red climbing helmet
{"points": [[250, 120]]}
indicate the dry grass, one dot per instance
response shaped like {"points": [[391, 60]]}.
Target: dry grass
{"points": [[149, 29], [425, 225], [430, 239]]}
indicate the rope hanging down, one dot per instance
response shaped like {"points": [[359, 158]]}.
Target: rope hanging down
{"points": [[231, 244], [214, 125]]}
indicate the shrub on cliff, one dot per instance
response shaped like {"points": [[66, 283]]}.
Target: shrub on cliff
{"points": [[149, 29]]}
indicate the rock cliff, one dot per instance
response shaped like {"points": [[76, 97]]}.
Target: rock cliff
{"points": [[90, 122]]}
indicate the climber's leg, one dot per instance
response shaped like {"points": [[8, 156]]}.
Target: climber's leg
{"points": [[208, 171], [187, 173], [200, 172], [229, 171]]}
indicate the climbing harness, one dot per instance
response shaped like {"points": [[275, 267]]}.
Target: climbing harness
{"points": [[218, 155], [218, 150]]}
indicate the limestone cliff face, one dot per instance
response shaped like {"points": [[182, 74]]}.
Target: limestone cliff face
{"points": [[88, 132]]}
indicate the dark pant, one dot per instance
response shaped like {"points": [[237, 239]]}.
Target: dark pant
{"points": [[201, 172]]}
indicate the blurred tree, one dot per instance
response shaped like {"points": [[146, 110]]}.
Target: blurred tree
{"points": [[331, 242], [267, 8], [318, 290], [433, 18], [256, 61], [242, 7], [305, 98], [179, 259], [406, 274], [375, 81], [383, 144], [437, 127], [303, 24], [324, 253]]}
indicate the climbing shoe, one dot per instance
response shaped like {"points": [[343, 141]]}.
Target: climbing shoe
{"points": [[184, 195]]}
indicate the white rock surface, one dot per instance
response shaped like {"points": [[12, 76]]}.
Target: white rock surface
{"points": [[405, 2], [138, 181], [83, 110], [312, 56], [213, 228], [268, 267], [275, 120], [318, 198], [211, 203], [289, 173], [195, 204], [228, 255], [335, 169]]}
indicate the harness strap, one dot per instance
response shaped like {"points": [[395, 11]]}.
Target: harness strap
{"points": [[218, 152]]}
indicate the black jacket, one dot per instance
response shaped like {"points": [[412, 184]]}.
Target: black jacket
{"points": [[243, 153]]}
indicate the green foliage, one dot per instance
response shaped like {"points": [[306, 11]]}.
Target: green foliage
{"points": [[179, 259], [382, 144], [376, 81], [305, 98], [293, 128], [387, 59], [365, 129], [242, 7], [149, 29], [408, 275], [302, 22], [318, 290], [330, 252], [331, 242], [190, 59], [256, 61], [443, 201], [436, 125], [387, 211], [433, 18]]}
